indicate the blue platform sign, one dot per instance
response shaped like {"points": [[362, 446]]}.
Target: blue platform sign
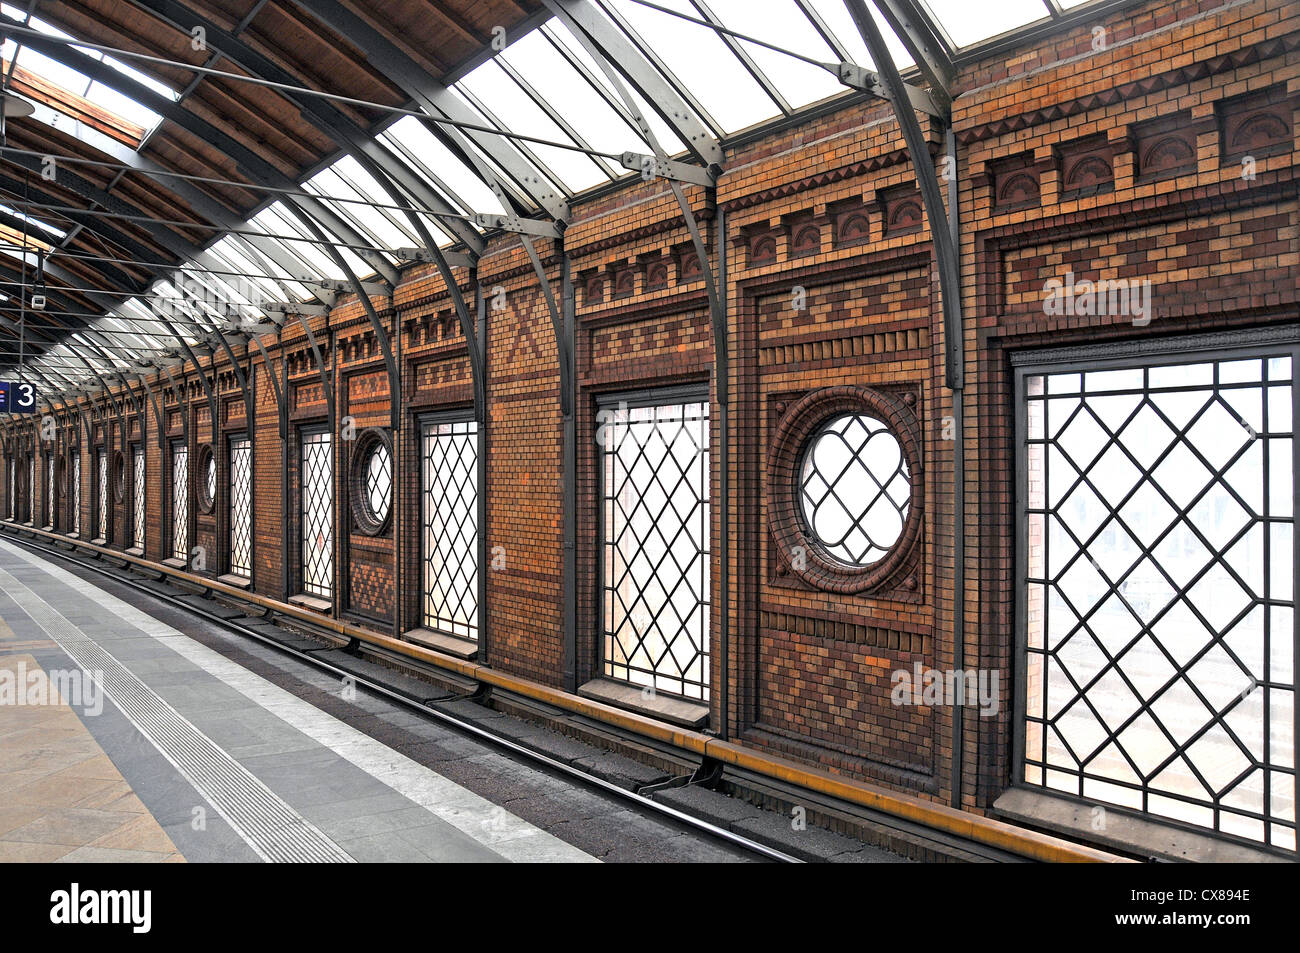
{"points": [[17, 397]]}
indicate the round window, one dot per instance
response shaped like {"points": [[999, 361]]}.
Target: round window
{"points": [[855, 490], [372, 482], [208, 485], [844, 468]]}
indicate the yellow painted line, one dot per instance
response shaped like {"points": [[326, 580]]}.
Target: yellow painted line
{"points": [[976, 827]]}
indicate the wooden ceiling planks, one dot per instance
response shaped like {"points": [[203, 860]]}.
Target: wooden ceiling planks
{"points": [[440, 35]]}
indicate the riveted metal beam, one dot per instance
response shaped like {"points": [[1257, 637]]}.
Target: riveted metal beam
{"points": [[590, 26], [436, 99]]}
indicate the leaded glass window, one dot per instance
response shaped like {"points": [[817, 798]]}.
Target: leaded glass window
{"points": [[241, 507], [1157, 607], [449, 512], [76, 492], [317, 515], [378, 477], [137, 497], [101, 491], [655, 541], [855, 489], [180, 501]]}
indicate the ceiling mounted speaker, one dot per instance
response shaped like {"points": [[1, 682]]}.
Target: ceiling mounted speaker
{"points": [[17, 107]]}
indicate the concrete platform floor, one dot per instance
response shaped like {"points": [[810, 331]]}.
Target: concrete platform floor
{"points": [[123, 738]]}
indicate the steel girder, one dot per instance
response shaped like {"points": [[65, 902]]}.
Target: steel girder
{"points": [[258, 169], [917, 32], [436, 99], [325, 116], [945, 251]]}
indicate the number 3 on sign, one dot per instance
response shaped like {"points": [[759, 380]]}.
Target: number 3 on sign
{"points": [[17, 398]]}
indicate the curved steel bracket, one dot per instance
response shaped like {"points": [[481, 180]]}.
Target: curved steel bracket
{"points": [[941, 239]]}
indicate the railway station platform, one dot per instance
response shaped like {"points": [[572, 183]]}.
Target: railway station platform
{"points": [[854, 433], [124, 739]]}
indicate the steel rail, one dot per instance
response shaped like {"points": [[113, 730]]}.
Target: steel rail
{"points": [[642, 802]]}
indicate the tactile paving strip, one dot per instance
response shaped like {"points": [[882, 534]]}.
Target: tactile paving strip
{"points": [[273, 829]]}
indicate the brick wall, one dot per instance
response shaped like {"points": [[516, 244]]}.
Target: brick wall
{"points": [[1115, 150]]}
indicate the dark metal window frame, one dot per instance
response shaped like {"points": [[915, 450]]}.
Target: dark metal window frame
{"points": [[139, 520], [422, 423], [72, 491], [240, 501], [904, 469], [181, 552], [207, 501], [117, 476], [306, 433], [694, 393], [102, 490], [1146, 354]]}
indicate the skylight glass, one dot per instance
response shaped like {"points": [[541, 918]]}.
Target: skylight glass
{"points": [[544, 66], [424, 151], [511, 108], [967, 22], [94, 92], [568, 43], [786, 26], [700, 61], [345, 179]]}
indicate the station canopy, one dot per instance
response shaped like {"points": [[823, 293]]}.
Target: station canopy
{"points": [[176, 172]]}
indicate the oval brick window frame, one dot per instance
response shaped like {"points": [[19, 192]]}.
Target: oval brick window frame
{"points": [[206, 495], [803, 421], [365, 520]]}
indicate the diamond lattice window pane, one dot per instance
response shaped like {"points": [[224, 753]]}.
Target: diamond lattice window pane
{"points": [[855, 489], [76, 492], [450, 517], [378, 482], [137, 497], [317, 515], [1169, 552], [241, 507], [180, 502], [101, 493], [656, 547]]}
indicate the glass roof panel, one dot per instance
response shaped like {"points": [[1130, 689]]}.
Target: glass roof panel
{"points": [[783, 25], [968, 23], [662, 131], [424, 151], [701, 61], [315, 261], [227, 257], [557, 81], [515, 111], [100, 94], [262, 264], [345, 179]]}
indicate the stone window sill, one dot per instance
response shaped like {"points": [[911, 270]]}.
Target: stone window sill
{"points": [[454, 645], [1143, 836], [679, 711], [315, 603]]}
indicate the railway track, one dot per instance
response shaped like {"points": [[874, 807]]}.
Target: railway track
{"points": [[187, 603], [250, 616]]}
